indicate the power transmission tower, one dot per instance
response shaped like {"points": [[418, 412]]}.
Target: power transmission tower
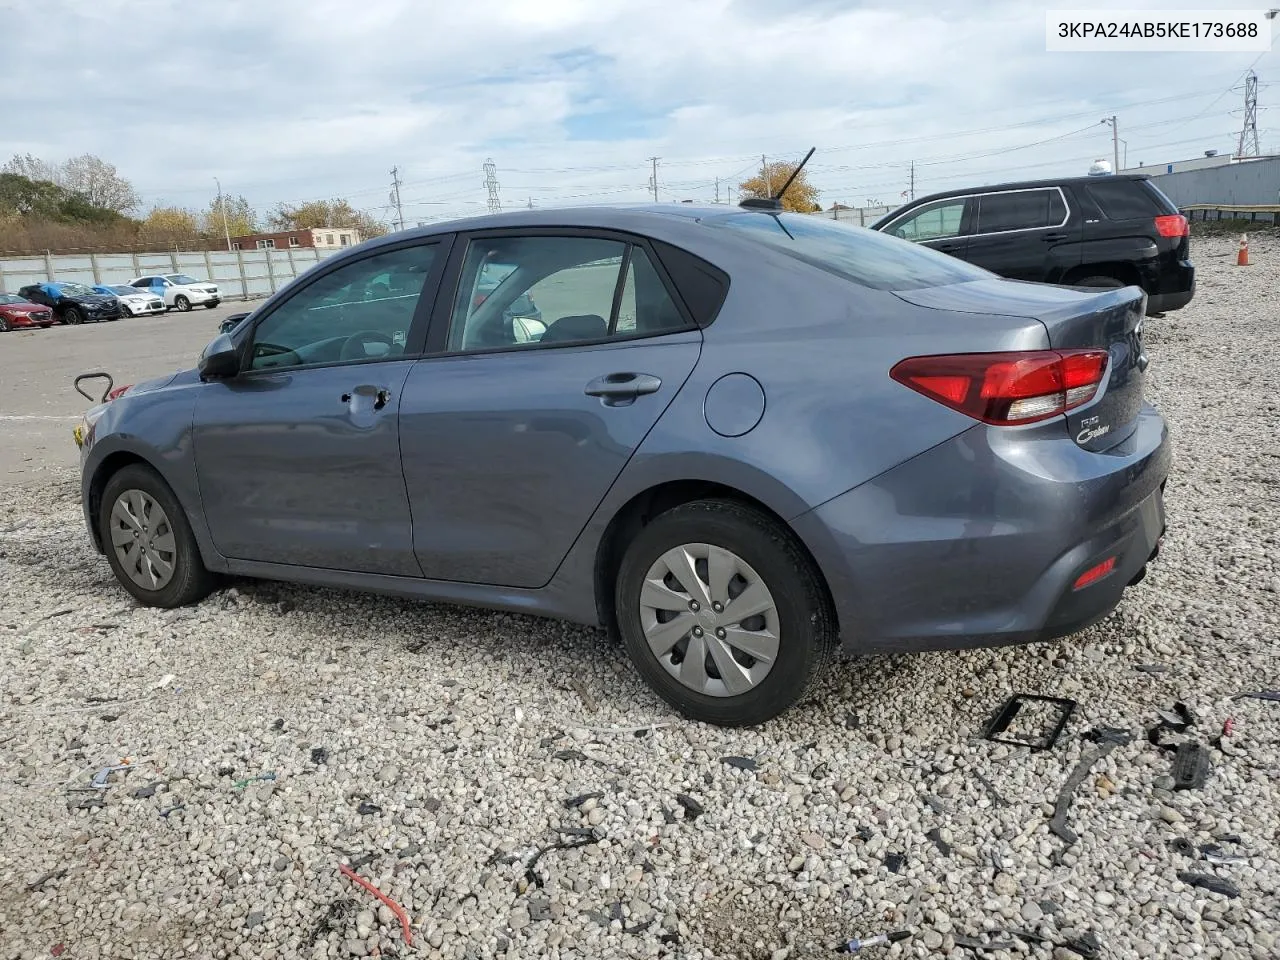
{"points": [[1248, 146], [491, 183], [717, 189], [912, 188], [653, 180], [531, 203], [395, 197], [764, 175]]}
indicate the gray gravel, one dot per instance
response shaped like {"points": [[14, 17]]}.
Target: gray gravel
{"points": [[261, 724]]}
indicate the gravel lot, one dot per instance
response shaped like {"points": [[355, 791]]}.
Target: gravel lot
{"points": [[437, 747]]}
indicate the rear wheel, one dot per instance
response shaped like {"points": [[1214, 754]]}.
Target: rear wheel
{"points": [[73, 315], [723, 613], [1100, 280], [182, 303], [149, 542], [210, 306], [4, 325]]}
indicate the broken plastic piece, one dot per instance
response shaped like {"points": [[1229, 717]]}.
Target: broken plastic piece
{"points": [[1208, 881], [969, 943], [319, 756], [742, 763], [1152, 668], [569, 755], [366, 808], [241, 784], [853, 946], [1087, 945], [1184, 846], [1216, 855], [692, 808], [394, 907], [936, 836], [101, 778], [1190, 766], [895, 862], [1050, 731], [1109, 735], [582, 798], [1059, 822], [1259, 695], [990, 787]]}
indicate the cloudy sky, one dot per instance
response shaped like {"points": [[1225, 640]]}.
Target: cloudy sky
{"points": [[292, 100]]}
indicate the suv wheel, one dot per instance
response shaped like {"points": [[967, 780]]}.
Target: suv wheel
{"points": [[1100, 280], [148, 540], [73, 315], [722, 613], [182, 303]]}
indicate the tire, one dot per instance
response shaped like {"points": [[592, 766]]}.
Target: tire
{"points": [[73, 316], [761, 549], [188, 581], [182, 303], [4, 325], [210, 306], [1100, 280]]}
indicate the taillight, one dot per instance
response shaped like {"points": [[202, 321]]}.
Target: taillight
{"points": [[117, 392], [1174, 225], [1094, 574], [1007, 388]]}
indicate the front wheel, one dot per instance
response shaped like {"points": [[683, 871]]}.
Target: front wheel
{"points": [[1100, 280], [148, 540], [210, 306], [723, 613], [182, 303], [73, 316], [4, 325]]}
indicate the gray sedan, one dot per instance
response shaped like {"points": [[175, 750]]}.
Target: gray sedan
{"points": [[744, 440]]}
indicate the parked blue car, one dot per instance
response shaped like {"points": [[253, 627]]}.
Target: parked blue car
{"points": [[744, 440]]}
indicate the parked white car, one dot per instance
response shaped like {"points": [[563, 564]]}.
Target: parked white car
{"points": [[179, 290], [133, 302]]}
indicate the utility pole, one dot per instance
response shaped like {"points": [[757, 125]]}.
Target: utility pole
{"points": [[1115, 142], [223, 207], [1248, 145], [912, 189], [491, 184], [764, 175], [395, 197], [653, 180], [717, 189], [531, 203]]}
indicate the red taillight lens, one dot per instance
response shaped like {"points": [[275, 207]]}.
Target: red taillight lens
{"points": [[1094, 574], [1174, 225], [480, 297], [1007, 388], [118, 392]]}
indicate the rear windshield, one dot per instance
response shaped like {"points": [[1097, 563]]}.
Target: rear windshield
{"points": [[865, 256], [1129, 199]]}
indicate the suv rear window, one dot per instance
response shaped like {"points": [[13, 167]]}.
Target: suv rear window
{"points": [[1125, 199], [867, 257], [1020, 210]]}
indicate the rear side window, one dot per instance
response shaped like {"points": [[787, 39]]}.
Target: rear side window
{"points": [[1124, 200], [701, 285], [864, 256], [1020, 210]]}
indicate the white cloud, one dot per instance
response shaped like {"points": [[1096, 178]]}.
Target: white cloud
{"points": [[291, 100]]}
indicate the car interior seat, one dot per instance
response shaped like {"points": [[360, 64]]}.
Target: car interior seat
{"points": [[587, 326]]}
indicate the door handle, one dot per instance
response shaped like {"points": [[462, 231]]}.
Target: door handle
{"points": [[380, 395], [1055, 236], [614, 387]]}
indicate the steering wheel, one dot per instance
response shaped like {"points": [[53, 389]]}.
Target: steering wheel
{"points": [[349, 351]]}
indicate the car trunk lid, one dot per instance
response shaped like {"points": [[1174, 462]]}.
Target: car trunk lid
{"points": [[1073, 319]]}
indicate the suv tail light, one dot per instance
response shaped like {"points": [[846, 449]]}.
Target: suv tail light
{"points": [[118, 392], [1007, 388], [1174, 225]]}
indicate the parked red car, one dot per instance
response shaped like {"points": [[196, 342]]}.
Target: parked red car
{"points": [[17, 312]]}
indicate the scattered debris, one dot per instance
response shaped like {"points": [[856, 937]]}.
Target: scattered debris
{"points": [[1059, 822], [1152, 668], [319, 756], [1178, 721], [1104, 785], [101, 779], [160, 684], [1214, 853], [1058, 710], [548, 741], [1087, 945], [1208, 881], [1190, 766], [821, 771], [692, 808], [588, 701], [391, 904], [936, 836], [640, 927], [337, 917], [1259, 695], [979, 946], [741, 763], [278, 725], [853, 946], [990, 787], [583, 841], [580, 799], [1185, 847], [569, 755], [1109, 735], [241, 784], [937, 805], [895, 862], [56, 874], [57, 950], [174, 809], [366, 808], [143, 793], [852, 721], [640, 731]]}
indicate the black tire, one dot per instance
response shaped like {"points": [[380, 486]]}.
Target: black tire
{"points": [[4, 325], [1100, 280], [182, 303], [210, 306], [806, 621], [72, 315], [190, 582]]}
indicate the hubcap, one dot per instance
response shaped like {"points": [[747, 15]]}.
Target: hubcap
{"points": [[143, 540], [709, 619]]}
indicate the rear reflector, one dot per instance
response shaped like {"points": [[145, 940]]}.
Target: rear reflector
{"points": [[118, 392], [1174, 225], [1007, 388], [1094, 574]]}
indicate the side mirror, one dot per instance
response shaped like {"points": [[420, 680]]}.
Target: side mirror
{"points": [[231, 322], [220, 359]]}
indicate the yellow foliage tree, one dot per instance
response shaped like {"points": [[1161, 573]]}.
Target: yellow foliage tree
{"points": [[801, 196], [169, 225]]}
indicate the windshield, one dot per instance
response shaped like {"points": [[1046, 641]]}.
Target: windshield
{"points": [[855, 253], [181, 279], [11, 298], [125, 291], [75, 290]]}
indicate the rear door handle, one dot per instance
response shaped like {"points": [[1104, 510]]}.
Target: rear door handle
{"points": [[364, 392], [1055, 236], [618, 389]]}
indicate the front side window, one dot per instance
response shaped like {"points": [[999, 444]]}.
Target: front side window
{"points": [[933, 221], [361, 311], [1020, 210], [517, 291]]}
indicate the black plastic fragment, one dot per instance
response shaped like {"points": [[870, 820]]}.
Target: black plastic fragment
{"points": [[142, 793], [1109, 735], [1259, 695], [852, 721], [367, 808], [278, 725], [1152, 668], [1087, 945], [990, 787], [936, 836], [1049, 736], [864, 834], [319, 756], [692, 808], [569, 755], [895, 862], [582, 798], [1059, 822], [970, 943], [820, 771], [1211, 883], [1185, 847], [1190, 766], [741, 763]]}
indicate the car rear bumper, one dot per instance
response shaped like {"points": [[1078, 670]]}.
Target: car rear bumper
{"points": [[1172, 288], [980, 540]]}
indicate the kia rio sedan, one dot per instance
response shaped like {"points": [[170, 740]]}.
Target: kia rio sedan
{"points": [[745, 440]]}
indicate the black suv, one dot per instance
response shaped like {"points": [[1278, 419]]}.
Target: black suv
{"points": [[1101, 231], [73, 302]]}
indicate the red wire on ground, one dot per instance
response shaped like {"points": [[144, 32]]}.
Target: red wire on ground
{"points": [[395, 907]]}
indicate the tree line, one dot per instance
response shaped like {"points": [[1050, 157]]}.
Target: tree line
{"points": [[84, 205]]}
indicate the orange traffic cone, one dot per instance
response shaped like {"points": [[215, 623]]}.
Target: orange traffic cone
{"points": [[1242, 258]]}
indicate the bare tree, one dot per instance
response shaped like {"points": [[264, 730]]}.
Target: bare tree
{"points": [[99, 183], [33, 168]]}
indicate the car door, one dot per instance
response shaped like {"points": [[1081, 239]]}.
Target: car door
{"points": [[509, 443], [298, 457], [942, 224], [37, 294], [1024, 234]]}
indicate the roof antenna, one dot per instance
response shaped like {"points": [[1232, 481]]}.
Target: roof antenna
{"points": [[775, 202]]}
